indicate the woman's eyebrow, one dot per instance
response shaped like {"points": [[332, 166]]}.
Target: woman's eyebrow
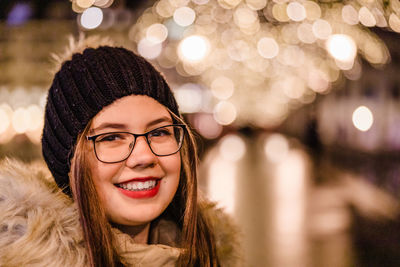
{"points": [[121, 126], [106, 125], [159, 120]]}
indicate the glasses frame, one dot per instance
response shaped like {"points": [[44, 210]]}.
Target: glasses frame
{"points": [[94, 137]]}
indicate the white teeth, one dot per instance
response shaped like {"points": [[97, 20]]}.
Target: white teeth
{"points": [[136, 186]]}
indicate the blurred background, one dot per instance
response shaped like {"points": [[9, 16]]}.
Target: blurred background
{"points": [[296, 106]]}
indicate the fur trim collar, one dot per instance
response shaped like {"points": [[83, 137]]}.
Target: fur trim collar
{"points": [[39, 226]]}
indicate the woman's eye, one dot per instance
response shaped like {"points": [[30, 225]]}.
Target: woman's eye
{"points": [[159, 132], [109, 138]]}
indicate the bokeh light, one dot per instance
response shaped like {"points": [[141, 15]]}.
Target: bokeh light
{"points": [[222, 87], [91, 18], [206, 125], [290, 189], [256, 4], [200, 2], [76, 8], [363, 118], [342, 47], [156, 33], [366, 17], [225, 113], [103, 3], [380, 17], [244, 17], [251, 43], [296, 11], [222, 183], [276, 148], [5, 121], [149, 49], [313, 11], [193, 48], [349, 15], [35, 118], [229, 4], [394, 22], [164, 8], [305, 33], [20, 120], [318, 81], [232, 147], [184, 16], [85, 3], [279, 12], [322, 29], [189, 97], [267, 47]]}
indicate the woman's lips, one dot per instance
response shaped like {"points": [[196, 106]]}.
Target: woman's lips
{"points": [[146, 187]]}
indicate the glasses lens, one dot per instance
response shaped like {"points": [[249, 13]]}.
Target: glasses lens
{"points": [[166, 140], [113, 147]]}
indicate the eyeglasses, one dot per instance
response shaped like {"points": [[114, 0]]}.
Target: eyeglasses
{"points": [[115, 147]]}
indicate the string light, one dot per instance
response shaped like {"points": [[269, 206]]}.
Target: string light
{"points": [[193, 48], [322, 29], [366, 17], [296, 11], [156, 33], [103, 3], [225, 113], [22, 115], [222, 87], [251, 43], [189, 97], [85, 3], [349, 15], [206, 125], [256, 4], [394, 22], [91, 18], [20, 120], [342, 47], [184, 16], [267, 47], [362, 118], [149, 49]]}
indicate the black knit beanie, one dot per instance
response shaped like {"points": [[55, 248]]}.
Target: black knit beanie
{"points": [[82, 87]]}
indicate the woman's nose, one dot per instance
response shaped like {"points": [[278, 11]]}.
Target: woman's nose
{"points": [[141, 155]]}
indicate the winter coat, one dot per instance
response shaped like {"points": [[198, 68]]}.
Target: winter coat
{"points": [[39, 226]]}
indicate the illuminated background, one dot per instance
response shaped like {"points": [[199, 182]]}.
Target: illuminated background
{"points": [[296, 105]]}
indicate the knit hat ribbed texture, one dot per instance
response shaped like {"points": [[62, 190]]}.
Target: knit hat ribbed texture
{"points": [[82, 87]]}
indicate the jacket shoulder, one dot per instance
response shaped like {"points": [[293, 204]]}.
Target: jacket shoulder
{"points": [[227, 235], [39, 225]]}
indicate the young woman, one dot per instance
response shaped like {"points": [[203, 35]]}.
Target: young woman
{"points": [[115, 143]]}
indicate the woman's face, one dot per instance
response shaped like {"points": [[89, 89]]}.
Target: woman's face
{"points": [[158, 177]]}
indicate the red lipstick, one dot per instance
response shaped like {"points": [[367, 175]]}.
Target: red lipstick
{"points": [[141, 193]]}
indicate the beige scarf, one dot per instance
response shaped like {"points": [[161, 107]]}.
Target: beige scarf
{"points": [[162, 250]]}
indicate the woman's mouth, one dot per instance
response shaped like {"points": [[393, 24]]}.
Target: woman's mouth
{"points": [[140, 188]]}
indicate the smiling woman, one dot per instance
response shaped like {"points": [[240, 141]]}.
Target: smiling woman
{"points": [[133, 175], [117, 147]]}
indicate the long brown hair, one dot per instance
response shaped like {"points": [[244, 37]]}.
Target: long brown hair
{"points": [[197, 240], [95, 226]]}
